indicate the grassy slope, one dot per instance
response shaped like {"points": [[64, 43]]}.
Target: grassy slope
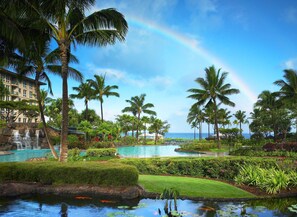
{"points": [[192, 187]]}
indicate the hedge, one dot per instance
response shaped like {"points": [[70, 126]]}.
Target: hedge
{"points": [[103, 174], [102, 152], [221, 168], [254, 151]]}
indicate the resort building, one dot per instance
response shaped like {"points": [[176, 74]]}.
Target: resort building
{"points": [[20, 88]]}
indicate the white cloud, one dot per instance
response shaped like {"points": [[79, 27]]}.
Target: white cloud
{"points": [[291, 63], [159, 82]]}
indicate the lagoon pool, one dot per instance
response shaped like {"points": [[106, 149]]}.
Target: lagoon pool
{"points": [[49, 205], [127, 151], [23, 155], [152, 151]]}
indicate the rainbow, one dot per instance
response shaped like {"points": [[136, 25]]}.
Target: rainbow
{"points": [[194, 46]]}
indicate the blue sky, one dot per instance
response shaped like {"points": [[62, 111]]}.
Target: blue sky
{"points": [[171, 42]]}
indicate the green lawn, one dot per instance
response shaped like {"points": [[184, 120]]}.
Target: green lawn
{"points": [[192, 187]]}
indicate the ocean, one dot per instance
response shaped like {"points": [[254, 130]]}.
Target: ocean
{"points": [[191, 135]]}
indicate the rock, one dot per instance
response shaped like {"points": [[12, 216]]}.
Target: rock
{"points": [[16, 189]]}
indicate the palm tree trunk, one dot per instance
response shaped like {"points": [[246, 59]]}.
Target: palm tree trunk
{"points": [[194, 133], [208, 129], [101, 107], [64, 48], [87, 109], [137, 128], [216, 124], [200, 131], [43, 119], [240, 128]]}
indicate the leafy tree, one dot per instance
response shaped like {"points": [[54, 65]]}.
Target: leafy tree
{"points": [[91, 116], [288, 91], [137, 106], [213, 90], [100, 89], [224, 117], [67, 24], [4, 91]]}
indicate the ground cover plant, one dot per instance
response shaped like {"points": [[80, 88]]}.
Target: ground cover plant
{"points": [[271, 180], [192, 187], [103, 174], [220, 168]]}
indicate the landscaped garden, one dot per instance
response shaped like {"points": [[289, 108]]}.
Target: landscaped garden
{"points": [[86, 162]]}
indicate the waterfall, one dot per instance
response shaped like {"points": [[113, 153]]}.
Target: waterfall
{"points": [[37, 139], [17, 139]]}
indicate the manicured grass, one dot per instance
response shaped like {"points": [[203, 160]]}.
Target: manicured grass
{"points": [[192, 187]]}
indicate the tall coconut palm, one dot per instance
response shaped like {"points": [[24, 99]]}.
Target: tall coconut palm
{"points": [[241, 118], [224, 117], [288, 91], [145, 120], [137, 106], [84, 91], [213, 90], [38, 61], [100, 89], [67, 24]]}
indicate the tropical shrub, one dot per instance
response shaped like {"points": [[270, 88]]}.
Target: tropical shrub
{"points": [[284, 146], [127, 140], [102, 152], [220, 168], [75, 141], [197, 146], [74, 154], [272, 180], [103, 144], [107, 174], [257, 151]]}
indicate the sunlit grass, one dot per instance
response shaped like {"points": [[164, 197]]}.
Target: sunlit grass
{"points": [[192, 187]]}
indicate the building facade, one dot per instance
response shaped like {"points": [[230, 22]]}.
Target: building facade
{"points": [[20, 88]]}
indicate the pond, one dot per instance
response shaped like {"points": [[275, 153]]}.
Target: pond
{"points": [[153, 151], [46, 205]]}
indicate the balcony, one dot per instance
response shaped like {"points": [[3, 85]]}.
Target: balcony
{"points": [[14, 93], [14, 83]]}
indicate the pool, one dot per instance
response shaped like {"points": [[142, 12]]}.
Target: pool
{"points": [[127, 151], [23, 155], [49, 205], [152, 151]]}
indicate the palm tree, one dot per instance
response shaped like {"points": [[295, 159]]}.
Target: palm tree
{"points": [[37, 60], [224, 117], [67, 24], [196, 118], [209, 117], [288, 90], [241, 118], [84, 92], [213, 90], [100, 90], [158, 127], [145, 120], [137, 106], [126, 122]]}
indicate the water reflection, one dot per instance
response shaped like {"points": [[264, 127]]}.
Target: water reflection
{"points": [[48, 205]]}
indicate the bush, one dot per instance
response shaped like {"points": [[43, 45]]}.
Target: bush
{"points": [[102, 144], [74, 154], [272, 180], [220, 168], [107, 174], [197, 146], [102, 152], [75, 141], [127, 140], [283, 146], [254, 151]]}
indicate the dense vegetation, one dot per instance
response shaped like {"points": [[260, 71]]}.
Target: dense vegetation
{"points": [[103, 174]]}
